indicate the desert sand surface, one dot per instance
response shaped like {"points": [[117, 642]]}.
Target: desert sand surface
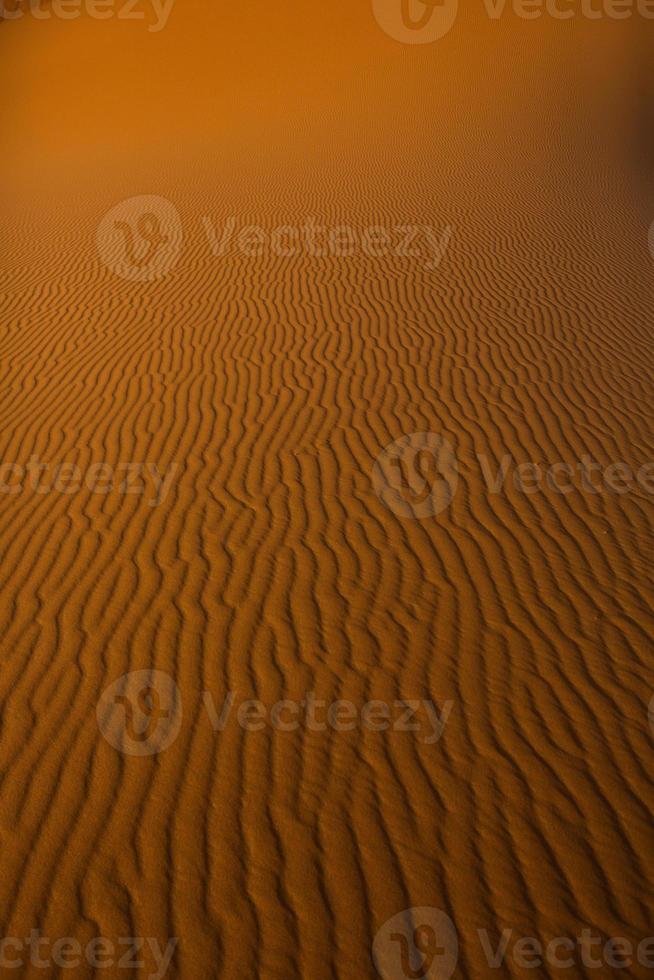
{"points": [[256, 388]]}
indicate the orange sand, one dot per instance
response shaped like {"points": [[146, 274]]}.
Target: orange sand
{"points": [[271, 383]]}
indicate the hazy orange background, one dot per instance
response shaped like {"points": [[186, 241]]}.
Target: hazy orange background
{"points": [[274, 385], [315, 82]]}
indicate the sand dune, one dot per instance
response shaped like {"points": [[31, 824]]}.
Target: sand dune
{"points": [[252, 391]]}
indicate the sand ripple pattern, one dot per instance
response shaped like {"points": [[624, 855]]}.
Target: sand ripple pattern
{"points": [[272, 570]]}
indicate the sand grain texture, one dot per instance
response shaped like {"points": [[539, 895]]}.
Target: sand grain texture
{"points": [[272, 569]]}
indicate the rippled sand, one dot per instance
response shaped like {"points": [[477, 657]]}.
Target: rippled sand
{"points": [[256, 385]]}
